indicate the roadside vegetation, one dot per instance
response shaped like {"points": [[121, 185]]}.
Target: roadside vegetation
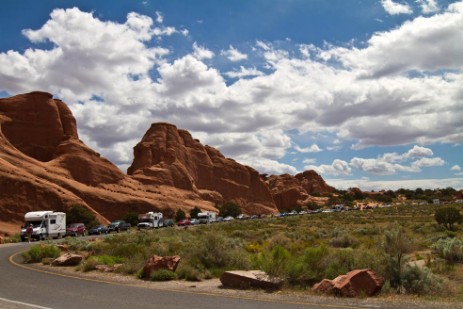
{"points": [[405, 244]]}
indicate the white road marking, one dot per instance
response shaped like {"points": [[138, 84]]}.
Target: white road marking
{"points": [[23, 304]]}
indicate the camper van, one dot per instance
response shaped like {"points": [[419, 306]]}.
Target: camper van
{"points": [[150, 220], [45, 224], [207, 217]]}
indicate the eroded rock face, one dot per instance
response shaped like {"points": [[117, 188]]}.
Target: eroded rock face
{"points": [[352, 284], [171, 156], [290, 191], [36, 124]]}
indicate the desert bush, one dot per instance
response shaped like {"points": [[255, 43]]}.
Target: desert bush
{"points": [[36, 253], [310, 267], [162, 275], [189, 273], [450, 249], [396, 244], [343, 241], [89, 264], [229, 209], [447, 217], [420, 281]]}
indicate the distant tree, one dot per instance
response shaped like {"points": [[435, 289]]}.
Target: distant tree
{"points": [[80, 214], [180, 215], [448, 216], [194, 212], [229, 209], [131, 218]]}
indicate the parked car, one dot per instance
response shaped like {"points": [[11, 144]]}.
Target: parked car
{"points": [[98, 230], [168, 223], [194, 222], [76, 229], [119, 225], [229, 218], [184, 222]]}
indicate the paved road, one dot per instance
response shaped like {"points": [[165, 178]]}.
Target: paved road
{"points": [[24, 288]]}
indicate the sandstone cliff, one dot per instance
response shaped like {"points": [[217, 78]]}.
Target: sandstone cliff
{"points": [[291, 191], [44, 166], [171, 156]]}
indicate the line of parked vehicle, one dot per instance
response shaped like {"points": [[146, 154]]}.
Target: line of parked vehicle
{"points": [[42, 225]]}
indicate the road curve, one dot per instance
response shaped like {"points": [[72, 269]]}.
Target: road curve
{"points": [[24, 288]]}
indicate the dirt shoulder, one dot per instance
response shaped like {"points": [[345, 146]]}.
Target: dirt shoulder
{"points": [[213, 287]]}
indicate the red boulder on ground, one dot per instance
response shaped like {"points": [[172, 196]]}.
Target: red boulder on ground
{"points": [[352, 284], [157, 262]]}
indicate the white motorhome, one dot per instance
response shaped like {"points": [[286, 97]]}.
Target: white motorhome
{"points": [[207, 217], [150, 220], [45, 224]]}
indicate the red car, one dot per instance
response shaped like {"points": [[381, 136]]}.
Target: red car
{"points": [[184, 222], [76, 229]]}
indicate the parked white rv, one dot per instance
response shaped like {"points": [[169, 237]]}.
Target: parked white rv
{"points": [[207, 217], [150, 220], [46, 224]]}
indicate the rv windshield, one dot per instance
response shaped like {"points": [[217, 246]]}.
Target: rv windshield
{"points": [[34, 223]]}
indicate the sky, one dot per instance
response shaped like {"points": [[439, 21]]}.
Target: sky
{"points": [[368, 93]]}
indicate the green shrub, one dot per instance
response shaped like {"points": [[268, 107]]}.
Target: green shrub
{"points": [[163, 275], [343, 241], [450, 249], [310, 267], [36, 253], [189, 273], [180, 215], [420, 281], [448, 216], [90, 264], [80, 214]]}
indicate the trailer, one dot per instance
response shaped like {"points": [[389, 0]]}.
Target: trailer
{"points": [[206, 217], [150, 220], [45, 225]]}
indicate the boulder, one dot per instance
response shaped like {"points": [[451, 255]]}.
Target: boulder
{"points": [[67, 259], [352, 284], [244, 279], [157, 262], [2, 240]]}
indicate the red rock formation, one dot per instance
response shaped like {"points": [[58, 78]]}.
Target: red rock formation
{"points": [[171, 156], [352, 284], [44, 166], [292, 191]]}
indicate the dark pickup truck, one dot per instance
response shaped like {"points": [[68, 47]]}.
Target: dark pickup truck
{"points": [[118, 225]]}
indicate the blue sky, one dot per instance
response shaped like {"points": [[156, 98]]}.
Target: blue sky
{"points": [[366, 92]]}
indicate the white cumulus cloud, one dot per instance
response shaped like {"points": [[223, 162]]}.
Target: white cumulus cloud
{"points": [[395, 8], [234, 55]]}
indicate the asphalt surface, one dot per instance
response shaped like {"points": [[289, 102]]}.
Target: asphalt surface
{"points": [[25, 288]]}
